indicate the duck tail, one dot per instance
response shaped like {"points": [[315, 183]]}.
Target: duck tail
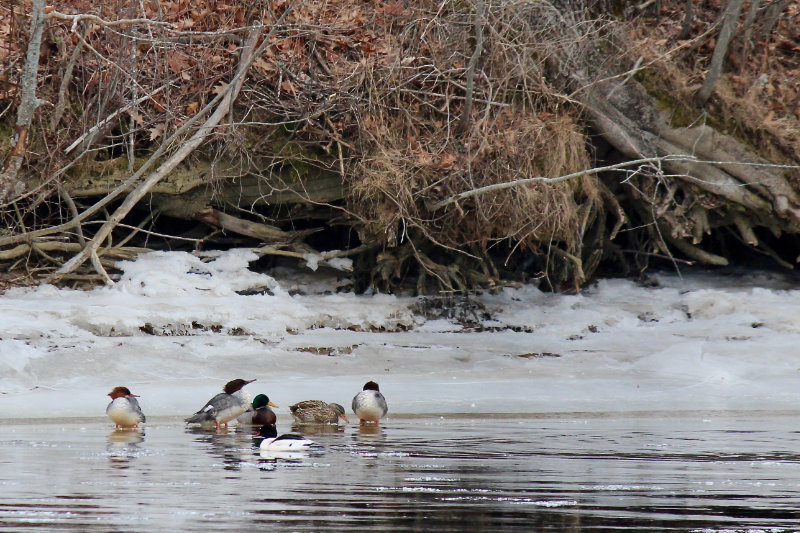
{"points": [[200, 417]]}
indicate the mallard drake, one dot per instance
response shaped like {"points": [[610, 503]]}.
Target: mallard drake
{"points": [[260, 412], [124, 409], [369, 404], [317, 412], [287, 442], [225, 406]]}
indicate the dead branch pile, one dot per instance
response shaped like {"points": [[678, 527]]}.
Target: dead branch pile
{"points": [[418, 125]]}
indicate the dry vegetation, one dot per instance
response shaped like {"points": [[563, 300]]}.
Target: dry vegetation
{"points": [[361, 119]]}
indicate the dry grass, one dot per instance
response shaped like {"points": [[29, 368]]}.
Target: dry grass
{"points": [[414, 148]]}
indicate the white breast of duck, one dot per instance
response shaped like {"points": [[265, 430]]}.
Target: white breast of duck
{"points": [[370, 405], [124, 413]]}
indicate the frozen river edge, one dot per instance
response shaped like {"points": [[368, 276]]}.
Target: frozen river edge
{"points": [[174, 329]]}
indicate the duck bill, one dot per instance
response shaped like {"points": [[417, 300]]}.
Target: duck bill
{"points": [[248, 382], [272, 404], [344, 418]]}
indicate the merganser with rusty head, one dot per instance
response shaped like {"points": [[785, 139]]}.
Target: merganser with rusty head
{"points": [[124, 408], [369, 404], [260, 412], [288, 442], [225, 406], [317, 412]]}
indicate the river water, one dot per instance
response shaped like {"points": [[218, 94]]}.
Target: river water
{"points": [[633, 471]]}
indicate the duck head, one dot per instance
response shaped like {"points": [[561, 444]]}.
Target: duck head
{"points": [[235, 385]]}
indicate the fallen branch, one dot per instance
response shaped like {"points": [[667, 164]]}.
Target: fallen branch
{"points": [[516, 183], [322, 258], [97, 20], [67, 247], [248, 228]]}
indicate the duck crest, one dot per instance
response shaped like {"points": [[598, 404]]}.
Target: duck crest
{"points": [[120, 392], [371, 385], [235, 385]]}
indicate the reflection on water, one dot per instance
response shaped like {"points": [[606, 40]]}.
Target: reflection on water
{"points": [[712, 472], [123, 446]]}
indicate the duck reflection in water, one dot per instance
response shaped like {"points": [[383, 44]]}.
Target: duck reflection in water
{"points": [[371, 431], [229, 446], [123, 446], [318, 429]]}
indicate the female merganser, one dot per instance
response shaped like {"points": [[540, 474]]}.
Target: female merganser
{"points": [[369, 404], [124, 409], [260, 413], [288, 442], [317, 412], [225, 406]]}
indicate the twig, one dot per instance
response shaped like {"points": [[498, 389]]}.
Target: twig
{"points": [[516, 183], [631, 73], [73, 210], [111, 117], [62, 89], [94, 18]]}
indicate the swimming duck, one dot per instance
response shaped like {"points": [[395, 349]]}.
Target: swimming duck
{"points": [[260, 413], [286, 442], [225, 406], [369, 404], [317, 412], [124, 409]]}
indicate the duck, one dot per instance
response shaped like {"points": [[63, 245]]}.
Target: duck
{"points": [[225, 406], [288, 442], [369, 404], [260, 413], [317, 412], [124, 409]]}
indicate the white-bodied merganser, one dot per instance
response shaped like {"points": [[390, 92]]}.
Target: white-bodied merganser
{"points": [[124, 409], [225, 406], [260, 412], [369, 404], [288, 442], [317, 412]]}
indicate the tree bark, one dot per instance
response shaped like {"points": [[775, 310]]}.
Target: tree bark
{"points": [[720, 50], [10, 186]]}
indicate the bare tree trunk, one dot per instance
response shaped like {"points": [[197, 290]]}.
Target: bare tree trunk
{"points": [[747, 28], [771, 17], [686, 30], [480, 8], [10, 185], [720, 50]]}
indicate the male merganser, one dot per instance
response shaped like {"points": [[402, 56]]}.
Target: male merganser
{"points": [[124, 409], [369, 404], [287, 442], [225, 406], [317, 412], [260, 413]]}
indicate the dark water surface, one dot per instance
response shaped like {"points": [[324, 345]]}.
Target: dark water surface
{"points": [[571, 472]]}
